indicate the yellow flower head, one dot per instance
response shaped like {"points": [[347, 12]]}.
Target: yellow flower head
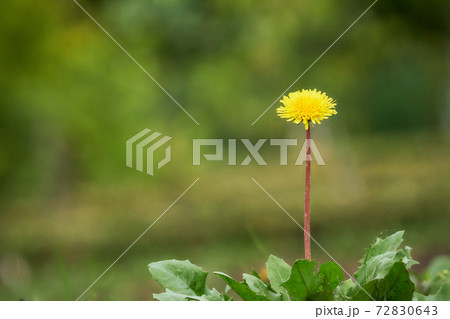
{"points": [[306, 106]]}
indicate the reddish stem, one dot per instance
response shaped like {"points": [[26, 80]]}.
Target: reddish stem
{"points": [[307, 195]]}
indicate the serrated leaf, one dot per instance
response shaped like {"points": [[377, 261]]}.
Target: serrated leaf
{"points": [[396, 286], [278, 272], [380, 258], [303, 284], [381, 246], [181, 277], [404, 255], [261, 288], [241, 288], [375, 268]]}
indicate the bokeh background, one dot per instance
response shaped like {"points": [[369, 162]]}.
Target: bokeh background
{"points": [[70, 98]]}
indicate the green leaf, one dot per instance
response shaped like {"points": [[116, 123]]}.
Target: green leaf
{"points": [[332, 277], [404, 255], [255, 273], [439, 265], [381, 256], [181, 277], [396, 286], [381, 246], [332, 274], [278, 272], [438, 274], [343, 290], [418, 296], [303, 284], [383, 272], [443, 294], [241, 288], [366, 293], [170, 295], [261, 288]]}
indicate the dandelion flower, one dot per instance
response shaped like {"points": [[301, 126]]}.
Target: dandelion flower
{"points": [[306, 106]]}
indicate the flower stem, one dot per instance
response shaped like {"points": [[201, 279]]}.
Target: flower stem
{"points": [[307, 195]]}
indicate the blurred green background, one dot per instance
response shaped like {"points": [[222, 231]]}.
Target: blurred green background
{"points": [[70, 98]]}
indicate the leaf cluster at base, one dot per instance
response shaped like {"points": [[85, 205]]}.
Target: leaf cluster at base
{"points": [[383, 275]]}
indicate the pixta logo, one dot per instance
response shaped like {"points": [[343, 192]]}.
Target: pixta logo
{"points": [[253, 151], [143, 145]]}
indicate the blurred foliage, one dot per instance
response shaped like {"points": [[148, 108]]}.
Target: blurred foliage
{"points": [[70, 98]]}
